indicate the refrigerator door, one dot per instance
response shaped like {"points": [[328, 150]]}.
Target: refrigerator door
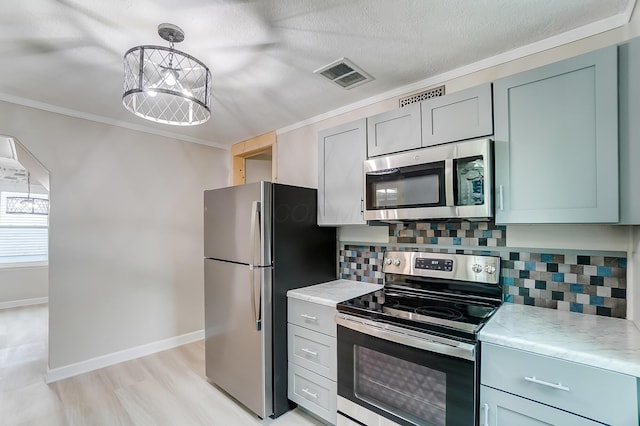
{"points": [[237, 224], [237, 347]]}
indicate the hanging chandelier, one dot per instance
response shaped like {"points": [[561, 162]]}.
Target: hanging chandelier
{"points": [[165, 85], [28, 204]]}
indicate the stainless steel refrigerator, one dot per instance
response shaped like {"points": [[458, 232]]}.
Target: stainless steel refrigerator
{"points": [[260, 240]]}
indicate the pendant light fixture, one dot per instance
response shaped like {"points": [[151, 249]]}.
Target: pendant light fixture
{"points": [[165, 85], [28, 204]]}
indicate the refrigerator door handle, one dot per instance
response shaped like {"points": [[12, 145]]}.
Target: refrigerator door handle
{"points": [[257, 311], [255, 223]]}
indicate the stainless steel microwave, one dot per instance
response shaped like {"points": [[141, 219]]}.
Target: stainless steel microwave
{"points": [[451, 181]]}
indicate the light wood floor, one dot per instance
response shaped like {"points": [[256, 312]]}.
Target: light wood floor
{"points": [[167, 388]]}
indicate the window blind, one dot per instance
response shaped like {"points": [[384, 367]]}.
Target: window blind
{"points": [[22, 234]]}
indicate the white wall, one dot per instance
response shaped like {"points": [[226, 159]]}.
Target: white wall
{"points": [[257, 169], [23, 283], [297, 156], [125, 253]]}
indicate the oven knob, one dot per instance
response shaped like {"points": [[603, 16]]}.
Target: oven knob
{"points": [[476, 267], [490, 269], [396, 262], [387, 261]]}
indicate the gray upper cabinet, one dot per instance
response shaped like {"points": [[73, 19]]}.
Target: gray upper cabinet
{"points": [[394, 131], [458, 116], [341, 151], [629, 128], [556, 142]]}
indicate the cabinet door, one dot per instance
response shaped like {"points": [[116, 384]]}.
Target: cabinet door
{"points": [[461, 115], [341, 151], [556, 142], [499, 408], [629, 104], [394, 131]]}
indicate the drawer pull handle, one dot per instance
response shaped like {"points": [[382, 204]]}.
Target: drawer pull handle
{"points": [[309, 351], [485, 407], [311, 394], [543, 383], [309, 317]]}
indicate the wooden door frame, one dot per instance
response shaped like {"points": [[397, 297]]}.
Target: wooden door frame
{"points": [[263, 144]]}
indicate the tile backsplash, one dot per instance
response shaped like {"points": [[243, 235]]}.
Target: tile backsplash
{"points": [[483, 234], [586, 284], [566, 281]]}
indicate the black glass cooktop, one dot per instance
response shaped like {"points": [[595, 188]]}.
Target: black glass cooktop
{"points": [[440, 313]]}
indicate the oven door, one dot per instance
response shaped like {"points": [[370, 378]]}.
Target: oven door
{"points": [[408, 377]]}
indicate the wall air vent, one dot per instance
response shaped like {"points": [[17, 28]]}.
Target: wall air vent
{"points": [[422, 96], [344, 73]]}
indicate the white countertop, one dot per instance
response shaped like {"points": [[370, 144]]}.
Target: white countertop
{"points": [[609, 343], [333, 292]]}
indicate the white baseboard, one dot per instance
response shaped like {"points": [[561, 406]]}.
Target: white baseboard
{"points": [[24, 302], [55, 374]]}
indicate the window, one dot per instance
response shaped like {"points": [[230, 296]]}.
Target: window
{"points": [[24, 237]]}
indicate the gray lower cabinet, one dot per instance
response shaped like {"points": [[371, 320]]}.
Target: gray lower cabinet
{"points": [[394, 131], [461, 115], [499, 408], [312, 356], [556, 142], [341, 151], [524, 388]]}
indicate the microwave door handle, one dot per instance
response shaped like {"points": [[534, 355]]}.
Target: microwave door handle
{"points": [[448, 183]]}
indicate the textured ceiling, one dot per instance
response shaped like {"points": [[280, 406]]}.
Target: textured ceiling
{"points": [[262, 54]]}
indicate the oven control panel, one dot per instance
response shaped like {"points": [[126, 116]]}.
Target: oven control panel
{"points": [[485, 269], [434, 264]]}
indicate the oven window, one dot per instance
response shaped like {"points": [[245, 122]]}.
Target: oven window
{"points": [[410, 391]]}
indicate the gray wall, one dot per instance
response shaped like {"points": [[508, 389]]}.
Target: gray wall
{"points": [[125, 253]]}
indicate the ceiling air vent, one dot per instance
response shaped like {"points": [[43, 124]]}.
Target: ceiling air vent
{"points": [[344, 73], [422, 96]]}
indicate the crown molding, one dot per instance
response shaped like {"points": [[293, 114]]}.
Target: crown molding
{"points": [[106, 120]]}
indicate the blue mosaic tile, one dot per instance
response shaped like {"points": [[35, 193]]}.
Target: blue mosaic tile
{"points": [[557, 277], [547, 258], [622, 262], [487, 233], [604, 271], [596, 300], [457, 241], [508, 298], [576, 288], [529, 265], [575, 307], [509, 281]]}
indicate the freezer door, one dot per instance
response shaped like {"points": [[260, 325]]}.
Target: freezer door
{"points": [[237, 224], [235, 340]]}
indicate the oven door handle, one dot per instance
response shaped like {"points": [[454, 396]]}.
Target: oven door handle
{"points": [[407, 337]]}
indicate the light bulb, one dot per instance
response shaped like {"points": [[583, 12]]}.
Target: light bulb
{"points": [[170, 77]]}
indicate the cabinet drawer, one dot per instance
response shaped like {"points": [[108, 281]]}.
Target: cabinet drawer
{"points": [[591, 392], [313, 392], [312, 316], [312, 350]]}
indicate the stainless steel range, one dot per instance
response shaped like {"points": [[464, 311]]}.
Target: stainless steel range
{"points": [[408, 353]]}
